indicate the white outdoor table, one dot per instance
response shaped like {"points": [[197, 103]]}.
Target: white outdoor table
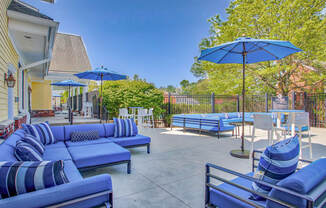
{"points": [[293, 112]]}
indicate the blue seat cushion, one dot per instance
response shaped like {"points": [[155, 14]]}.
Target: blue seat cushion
{"points": [[83, 127], [55, 145], [98, 154], [220, 199], [303, 181], [71, 171], [130, 141], [88, 142], [56, 154]]}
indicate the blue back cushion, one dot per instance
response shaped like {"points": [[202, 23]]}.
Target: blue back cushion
{"points": [[109, 129], [12, 139], [34, 142], [22, 177], [303, 181], [80, 136], [7, 152], [26, 152], [277, 162], [125, 127], [58, 133], [41, 131], [83, 127]]}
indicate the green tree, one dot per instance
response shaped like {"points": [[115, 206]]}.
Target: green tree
{"points": [[130, 93], [301, 22], [170, 88]]}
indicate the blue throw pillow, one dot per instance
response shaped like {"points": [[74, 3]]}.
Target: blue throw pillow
{"points": [[41, 131], [125, 127], [276, 163], [26, 152], [22, 177], [34, 142], [79, 136]]}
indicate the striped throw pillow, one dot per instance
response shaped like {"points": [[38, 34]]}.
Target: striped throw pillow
{"points": [[277, 162], [34, 142], [41, 131], [23, 177], [125, 127], [26, 152], [79, 136]]}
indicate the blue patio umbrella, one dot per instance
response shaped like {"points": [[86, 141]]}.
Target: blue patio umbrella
{"points": [[244, 51], [69, 83], [100, 74]]}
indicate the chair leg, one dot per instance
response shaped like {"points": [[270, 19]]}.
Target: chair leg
{"points": [[148, 148], [300, 143], [129, 167], [310, 147], [111, 200]]}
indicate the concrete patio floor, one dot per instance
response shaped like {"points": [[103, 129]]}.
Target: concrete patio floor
{"points": [[173, 174]]}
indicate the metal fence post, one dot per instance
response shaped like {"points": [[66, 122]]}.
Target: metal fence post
{"points": [[305, 101], [293, 100], [213, 102], [169, 103], [238, 103], [266, 102]]}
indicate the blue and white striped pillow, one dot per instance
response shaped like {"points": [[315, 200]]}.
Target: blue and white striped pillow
{"points": [[276, 163], [23, 177], [41, 131], [125, 127], [26, 152], [34, 142]]}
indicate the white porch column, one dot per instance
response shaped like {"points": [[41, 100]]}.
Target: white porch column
{"points": [[11, 96]]}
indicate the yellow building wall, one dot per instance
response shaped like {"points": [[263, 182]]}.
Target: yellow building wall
{"points": [[41, 95], [8, 55]]}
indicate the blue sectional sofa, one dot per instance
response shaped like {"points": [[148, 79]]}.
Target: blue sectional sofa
{"points": [[79, 192], [214, 122], [306, 188]]}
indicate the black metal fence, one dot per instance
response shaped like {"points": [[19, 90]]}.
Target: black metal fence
{"points": [[315, 104]]}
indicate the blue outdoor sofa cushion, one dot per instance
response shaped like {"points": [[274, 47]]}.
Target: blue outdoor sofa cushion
{"points": [[58, 132], [98, 154], [56, 154], [130, 141], [88, 142], [55, 145], [7, 153], [83, 127], [109, 129], [12, 140], [303, 181], [220, 199], [71, 171], [63, 193]]}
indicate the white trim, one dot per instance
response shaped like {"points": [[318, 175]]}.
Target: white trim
{"points": [[27, 5], [32, 19], [35, 64]]}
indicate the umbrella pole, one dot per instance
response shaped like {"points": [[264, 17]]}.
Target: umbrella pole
{"points": [[242, 153], [69, 106]]}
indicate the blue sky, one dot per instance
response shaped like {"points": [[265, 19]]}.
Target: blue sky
{"points": [[156, 39]]}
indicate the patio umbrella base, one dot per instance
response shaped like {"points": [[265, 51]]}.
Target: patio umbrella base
{"points": [[240, 154]]}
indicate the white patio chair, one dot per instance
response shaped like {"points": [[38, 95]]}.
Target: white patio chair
{"points": [[263, 122], [148, 118], [301, 124], [123, 113]]}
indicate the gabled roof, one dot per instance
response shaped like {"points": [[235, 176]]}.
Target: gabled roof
{"points": [[69, 55], [24, 8]]}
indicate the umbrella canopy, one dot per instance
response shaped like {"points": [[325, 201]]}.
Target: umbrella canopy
{"points": [[244, 51], [100, 74], [68, 83], [255, 50]]}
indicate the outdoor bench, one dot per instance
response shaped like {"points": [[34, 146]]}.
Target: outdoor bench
{"points": [[306, 188]]}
